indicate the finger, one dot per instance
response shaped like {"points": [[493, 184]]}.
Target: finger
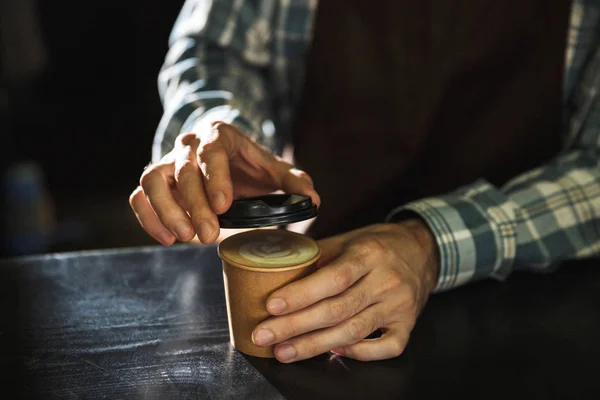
{"points": [[148, 218], [190, 184], [324, 314], [389, 345], [213, 157], [326, 282], [295, 181], [291, 180], [349, 332], [158, 193]]}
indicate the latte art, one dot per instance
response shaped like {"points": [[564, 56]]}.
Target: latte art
{"points": [[266, 250], [269, 249], [273, 251]]}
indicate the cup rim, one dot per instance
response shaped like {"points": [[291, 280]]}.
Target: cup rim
{"points": [[270, 269]]}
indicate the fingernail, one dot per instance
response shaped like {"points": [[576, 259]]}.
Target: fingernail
{"points": [[165, 238], [263, 337], [286, 352], [218, 199], [205, 230], [276, 306], [182, 230], [338, 351]]}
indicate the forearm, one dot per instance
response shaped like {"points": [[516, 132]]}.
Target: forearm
{"points": [[538, 220], [209, 76]]}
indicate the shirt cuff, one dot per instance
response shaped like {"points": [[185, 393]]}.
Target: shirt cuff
{"points": [[475, 229]]}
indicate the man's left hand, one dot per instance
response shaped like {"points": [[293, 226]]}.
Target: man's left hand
{"points": [[378, 277]]}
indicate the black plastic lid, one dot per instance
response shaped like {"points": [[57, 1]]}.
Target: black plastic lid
{"points": [[270, 210]]}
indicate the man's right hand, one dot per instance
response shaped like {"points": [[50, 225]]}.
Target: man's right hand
{"points": [[181, 196]]}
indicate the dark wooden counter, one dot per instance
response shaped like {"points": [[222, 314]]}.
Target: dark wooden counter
{"points": [[150, 323]]}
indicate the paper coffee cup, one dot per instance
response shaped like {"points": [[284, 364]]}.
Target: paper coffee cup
{"points": [[255, 264]]}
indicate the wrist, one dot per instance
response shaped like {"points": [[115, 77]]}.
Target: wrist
{"points": [[429, 249]]}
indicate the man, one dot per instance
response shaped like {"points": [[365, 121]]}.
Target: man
{"points": [[450, 142]]}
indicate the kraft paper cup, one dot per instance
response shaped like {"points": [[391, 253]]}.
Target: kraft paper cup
{"points": [[255, 264]]}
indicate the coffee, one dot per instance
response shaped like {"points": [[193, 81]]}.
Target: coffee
{"points": [[255, 264], [268, 249]]}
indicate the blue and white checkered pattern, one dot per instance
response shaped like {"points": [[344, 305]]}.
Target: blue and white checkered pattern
{"points": [[242, 61]]}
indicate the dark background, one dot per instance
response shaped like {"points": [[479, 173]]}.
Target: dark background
{"points": [[88, 117]]}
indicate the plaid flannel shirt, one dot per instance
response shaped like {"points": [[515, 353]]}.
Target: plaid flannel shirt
{"points": [[241, 61]]}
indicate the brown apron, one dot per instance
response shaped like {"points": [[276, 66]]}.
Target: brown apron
{"points": [[406, 99]]}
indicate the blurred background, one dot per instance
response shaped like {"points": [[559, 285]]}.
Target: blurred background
{"points": [[78, 110]]}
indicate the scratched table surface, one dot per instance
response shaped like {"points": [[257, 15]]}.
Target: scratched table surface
{"points": [[151, 323]]}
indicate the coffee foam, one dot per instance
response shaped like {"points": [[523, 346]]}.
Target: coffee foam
{"points": [[269, 249]]}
